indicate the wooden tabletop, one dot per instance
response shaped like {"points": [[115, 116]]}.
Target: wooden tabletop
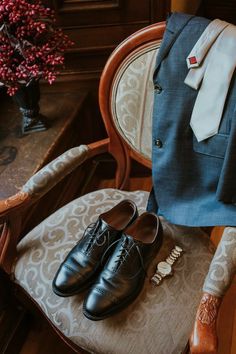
{"points": [[21, 156]]}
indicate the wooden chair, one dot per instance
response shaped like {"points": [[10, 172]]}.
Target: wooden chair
{"points": [[161, 319]]}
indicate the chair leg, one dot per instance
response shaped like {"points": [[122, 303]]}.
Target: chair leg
{"points": [[14, 319]]}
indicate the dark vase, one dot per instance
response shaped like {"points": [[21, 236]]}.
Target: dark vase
{"points": [[27, 98]]}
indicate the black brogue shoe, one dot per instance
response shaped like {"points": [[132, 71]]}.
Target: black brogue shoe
{"points": [[123, 276], [83, 262]]}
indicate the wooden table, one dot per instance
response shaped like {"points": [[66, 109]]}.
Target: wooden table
{"points": [[21, 156]]}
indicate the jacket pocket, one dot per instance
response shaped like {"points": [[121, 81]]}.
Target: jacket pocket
{"points": [[215, 146]]}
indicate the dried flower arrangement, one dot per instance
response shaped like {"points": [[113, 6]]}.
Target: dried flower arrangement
{"points": [[31, 46]]}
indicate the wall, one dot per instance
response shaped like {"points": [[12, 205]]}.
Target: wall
{"points": [[187, 6], [224, 10], [97, 27]]}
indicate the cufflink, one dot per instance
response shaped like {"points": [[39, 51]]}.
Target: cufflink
{"points": [[164, 268]]}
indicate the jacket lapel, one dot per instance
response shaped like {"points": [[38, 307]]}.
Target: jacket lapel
{"points": [[175, 24]]}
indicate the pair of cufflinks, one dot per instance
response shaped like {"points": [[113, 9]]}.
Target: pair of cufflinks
{"points": [[164, 268]]}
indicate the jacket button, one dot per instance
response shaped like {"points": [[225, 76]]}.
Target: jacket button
{"points": [[157, 88], [158, 143]]}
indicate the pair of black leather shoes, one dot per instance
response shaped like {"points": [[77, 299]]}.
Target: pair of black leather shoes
{"points": [[112, 257]]}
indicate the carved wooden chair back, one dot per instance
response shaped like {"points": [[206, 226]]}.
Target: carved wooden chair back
{"points": [[126, 98]]}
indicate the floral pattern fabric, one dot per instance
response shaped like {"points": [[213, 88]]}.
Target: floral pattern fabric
{"points": [[223, 265]]}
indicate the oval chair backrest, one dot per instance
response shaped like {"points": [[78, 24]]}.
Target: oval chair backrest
{"points": [[126, 93], [132, 97]]}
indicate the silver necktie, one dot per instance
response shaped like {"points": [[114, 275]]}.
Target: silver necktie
{"points": [[217, 64]]}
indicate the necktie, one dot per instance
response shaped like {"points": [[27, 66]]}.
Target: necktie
{"points": [[198, 57], [204, 43], [216, 71]]}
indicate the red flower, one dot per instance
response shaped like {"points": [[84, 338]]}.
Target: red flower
{"points": [[31, 46]]}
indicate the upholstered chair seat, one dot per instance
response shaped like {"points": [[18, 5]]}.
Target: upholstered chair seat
{"points": [[161, 317]]}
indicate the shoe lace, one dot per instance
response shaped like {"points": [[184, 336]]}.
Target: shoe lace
{"points": [[94, 235], [124, 252]]}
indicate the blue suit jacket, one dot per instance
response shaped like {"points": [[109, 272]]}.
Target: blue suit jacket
{"points": [[194, 183]]}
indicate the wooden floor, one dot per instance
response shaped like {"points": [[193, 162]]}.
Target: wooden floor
{"points": [[42, 340]]}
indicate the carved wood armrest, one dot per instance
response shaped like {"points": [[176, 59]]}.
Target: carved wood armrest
{"points": [[44, 180], [39, 184], [51, 174], [218, 280], [47, 177], [204, 336]]}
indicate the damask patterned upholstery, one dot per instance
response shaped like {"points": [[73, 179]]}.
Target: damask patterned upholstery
{"points": [[132, 95], [223, 266], [160, 319], [48, 176]]}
